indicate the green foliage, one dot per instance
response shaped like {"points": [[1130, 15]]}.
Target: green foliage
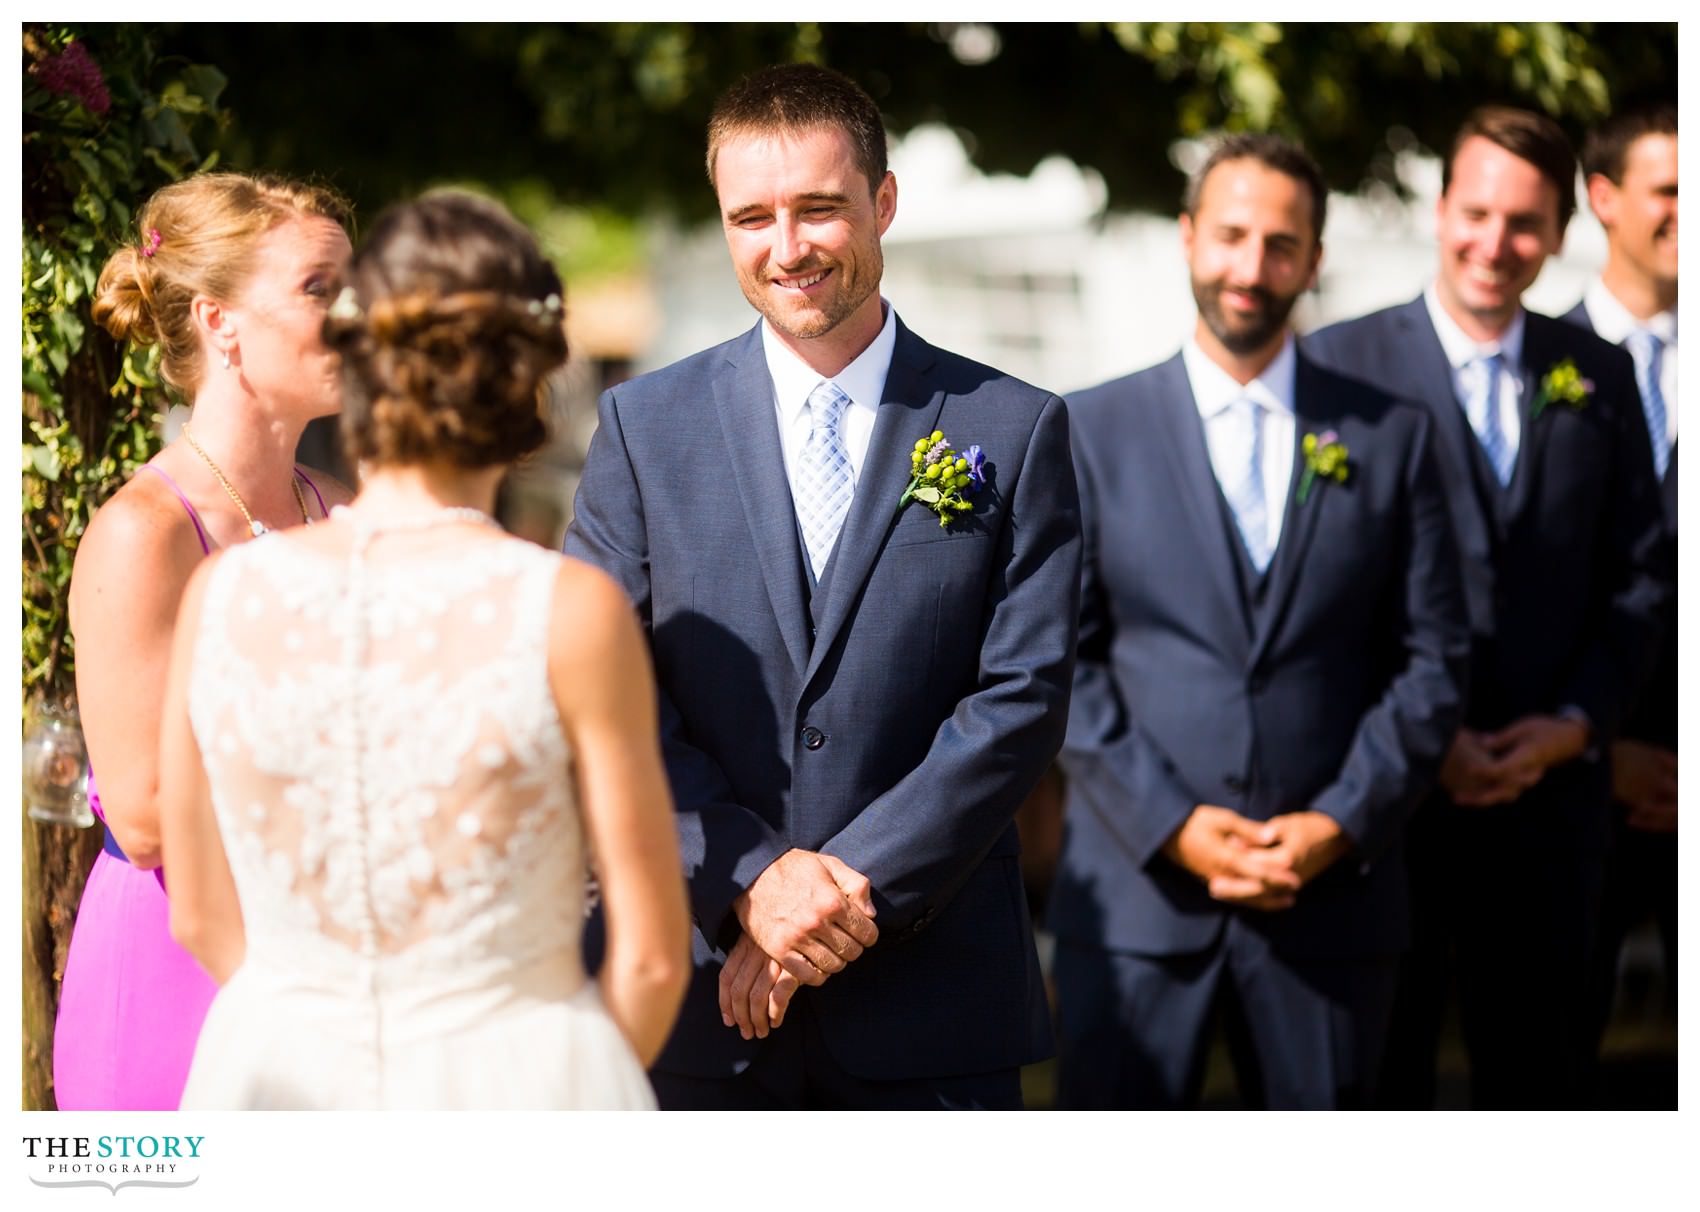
{"points": [[612, 115], [104, 126]]}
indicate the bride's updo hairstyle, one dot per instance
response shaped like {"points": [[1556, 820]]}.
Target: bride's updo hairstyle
{"points": [[448, 325], [195, 237]]}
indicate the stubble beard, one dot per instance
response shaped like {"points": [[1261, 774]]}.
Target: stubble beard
{"points": [[1250, 335], [852, 293]]}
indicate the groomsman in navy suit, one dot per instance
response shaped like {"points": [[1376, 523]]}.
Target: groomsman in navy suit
{"points": [[864, 646], [1272, 633], [1555, 507], [1629, 164]]}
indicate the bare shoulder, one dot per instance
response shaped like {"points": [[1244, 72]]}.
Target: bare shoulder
{"points": [[141, 531], [592, 602]]}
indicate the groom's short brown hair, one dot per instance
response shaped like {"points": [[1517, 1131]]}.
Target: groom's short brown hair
{"points": [[790, 98]]}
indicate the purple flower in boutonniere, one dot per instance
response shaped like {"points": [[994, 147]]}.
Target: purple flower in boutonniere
{"points": [[1563, 384], [1325, 457], [938, 477], [976, 465]]}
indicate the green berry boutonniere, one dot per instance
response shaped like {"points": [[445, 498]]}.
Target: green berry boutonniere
{"points": [[1325, 456], [939, 477], [1563, 384]]}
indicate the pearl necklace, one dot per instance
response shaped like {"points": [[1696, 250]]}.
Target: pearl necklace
{"points": [[438, 517], [255, 527]]}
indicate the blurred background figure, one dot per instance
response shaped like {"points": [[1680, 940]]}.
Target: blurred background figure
{"points": [[1629, 163], [1555, 508], [230, 275]]}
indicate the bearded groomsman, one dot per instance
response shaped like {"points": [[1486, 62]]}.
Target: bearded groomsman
{"points": [[1629, 164], [1549, 476], [1272, 631]]}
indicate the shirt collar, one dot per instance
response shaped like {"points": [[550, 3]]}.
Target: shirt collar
{"points": [[1214, 389], [1613, 321], [1461, 348], [863, 380]]}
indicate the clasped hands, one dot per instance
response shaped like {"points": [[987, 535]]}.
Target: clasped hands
{"points": [[1483, 769], [806, 917], [1258, 864]]}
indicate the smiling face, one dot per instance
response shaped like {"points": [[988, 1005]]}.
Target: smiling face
{"points": [[1252, 249], [1496, 224], [1639, 214], [804, 232], [279, 313]]}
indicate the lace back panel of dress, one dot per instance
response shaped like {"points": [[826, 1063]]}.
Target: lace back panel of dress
{"points": [[385, 757]]}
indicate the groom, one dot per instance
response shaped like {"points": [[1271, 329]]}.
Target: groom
{"points": [[864, 647]]}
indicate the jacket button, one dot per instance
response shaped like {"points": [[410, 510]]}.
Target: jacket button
{"points": [[813, 738], [1234, 783]]}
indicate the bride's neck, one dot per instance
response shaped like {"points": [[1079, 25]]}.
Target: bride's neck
{"points": [[405, 491]]}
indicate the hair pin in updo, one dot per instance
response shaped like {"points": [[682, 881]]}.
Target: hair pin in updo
{"points": [[152, 245], [346, 307], [550, 303]]}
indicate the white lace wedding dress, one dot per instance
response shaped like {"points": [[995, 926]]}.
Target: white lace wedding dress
{"points": [[394, 794]]}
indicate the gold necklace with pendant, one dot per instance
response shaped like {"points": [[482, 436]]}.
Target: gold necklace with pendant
{"points": [[255, 527]]}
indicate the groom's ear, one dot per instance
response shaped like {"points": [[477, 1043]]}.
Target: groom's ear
{"points": [[885, 202]]}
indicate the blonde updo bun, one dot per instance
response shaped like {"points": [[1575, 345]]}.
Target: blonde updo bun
{"points": [[197, 237], [450, 322]]}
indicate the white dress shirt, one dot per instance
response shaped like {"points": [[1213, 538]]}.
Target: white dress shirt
{"points": [[863, 381], [1215, 391], [1462, 349], [1613, 321]]}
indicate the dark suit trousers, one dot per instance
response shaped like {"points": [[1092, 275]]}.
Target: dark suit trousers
{"points": [[1507, 901], [1641, 878], [795, 1071], [1133, 1030]]}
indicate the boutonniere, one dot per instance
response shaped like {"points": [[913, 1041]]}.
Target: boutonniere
{"points": [[939, 477], [1563, 384], [1325, 457]]}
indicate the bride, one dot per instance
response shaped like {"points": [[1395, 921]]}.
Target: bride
{"points": [[392, 740]]}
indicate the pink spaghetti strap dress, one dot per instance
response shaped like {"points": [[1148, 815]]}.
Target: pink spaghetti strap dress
{"points": [[132, 1000]]}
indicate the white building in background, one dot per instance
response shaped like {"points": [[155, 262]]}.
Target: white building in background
{"points": [[1032, 276]]}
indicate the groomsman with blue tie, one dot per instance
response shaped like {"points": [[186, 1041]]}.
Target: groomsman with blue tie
{"points": [[857, 557], [1555, 507], [1629, 164], [1272, 633]]}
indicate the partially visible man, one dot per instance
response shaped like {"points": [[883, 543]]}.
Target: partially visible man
{"points": [[864, 644], [1556, 512], [1629, 164], [1272, 633]]}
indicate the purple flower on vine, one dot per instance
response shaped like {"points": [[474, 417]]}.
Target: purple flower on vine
{"points": [[74, 73]]}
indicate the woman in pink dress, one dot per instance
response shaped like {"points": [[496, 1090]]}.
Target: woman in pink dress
{"points": [[231, 276]]}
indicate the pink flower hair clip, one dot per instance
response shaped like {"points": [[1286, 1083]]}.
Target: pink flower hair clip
{"points": [[152, 246]]}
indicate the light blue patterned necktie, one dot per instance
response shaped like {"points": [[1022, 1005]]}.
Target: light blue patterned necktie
{"points": [[1648, 350], [1483, 411], [823, 488], [1245, 492]]}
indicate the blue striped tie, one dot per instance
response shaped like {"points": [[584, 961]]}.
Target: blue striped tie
{"points": [[1245, 494], [1648, 350], [1483, 411], [823, 489]]}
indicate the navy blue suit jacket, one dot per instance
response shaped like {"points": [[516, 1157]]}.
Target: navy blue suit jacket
{"points": [[1653, 719], [1342, 700], [931, 676], [1566, 575]]}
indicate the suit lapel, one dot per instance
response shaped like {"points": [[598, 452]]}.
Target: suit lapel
{"points": [[744, 398], [1539, 354], [1311, 415], [1195, 483], [1431, 382], [908, 411]]}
